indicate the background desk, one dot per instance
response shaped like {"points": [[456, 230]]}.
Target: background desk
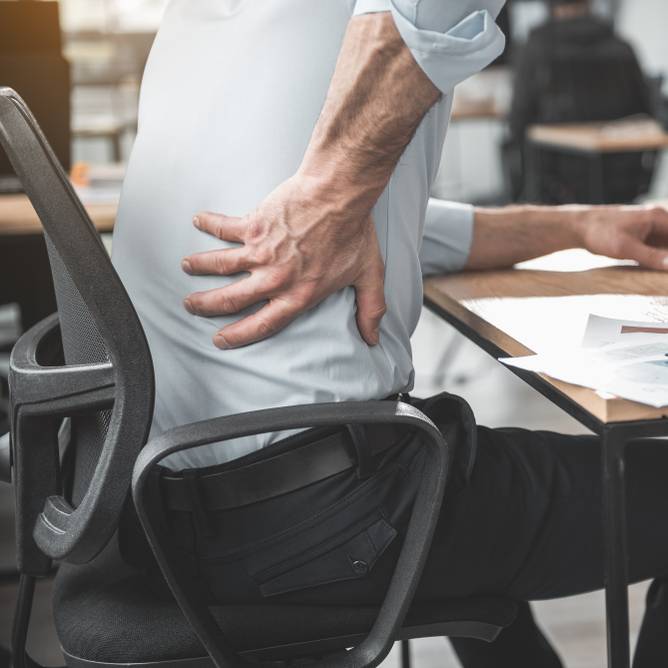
{"points": [[17, 216], [618, 137], [519, 311], [25, 276], [592, 141]]}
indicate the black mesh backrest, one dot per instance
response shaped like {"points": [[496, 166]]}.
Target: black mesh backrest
{"points": [[82, 344], [101, 334]]}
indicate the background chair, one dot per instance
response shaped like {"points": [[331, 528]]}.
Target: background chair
{"points": [[81, 402], [573, 79]]}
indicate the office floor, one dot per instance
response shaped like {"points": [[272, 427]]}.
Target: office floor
{"points": [[576, 625]]}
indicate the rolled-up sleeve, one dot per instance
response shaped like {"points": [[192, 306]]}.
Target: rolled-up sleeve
{"points": [[449, 39], [448, 235]]}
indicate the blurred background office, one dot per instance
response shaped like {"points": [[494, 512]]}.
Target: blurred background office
{"points": [[576, 110]]}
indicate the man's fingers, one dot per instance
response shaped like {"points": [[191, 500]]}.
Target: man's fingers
{"points": [[658, 216], [218, 225], [262, 324], [218, 262], [371, 307], [228, 300], [647, 256]]}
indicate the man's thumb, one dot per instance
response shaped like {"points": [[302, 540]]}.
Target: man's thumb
{"points": [[371, 307]]}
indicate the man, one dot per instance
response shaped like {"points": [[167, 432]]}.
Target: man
{"points": [[575, 68], [323, 278]]}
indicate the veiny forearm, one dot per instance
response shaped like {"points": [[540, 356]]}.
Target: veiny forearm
{"points": [[376, 101], [506, 236]]}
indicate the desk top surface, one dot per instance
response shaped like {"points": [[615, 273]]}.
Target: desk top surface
{"points": [[486, 109], [18, 218], [544, 304], [615, 137]]}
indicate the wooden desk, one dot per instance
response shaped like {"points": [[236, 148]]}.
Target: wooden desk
{"points": [[523, 311], [17, 216], [519, 311], [478, 110], [627, 136]]}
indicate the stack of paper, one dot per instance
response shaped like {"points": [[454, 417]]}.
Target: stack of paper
{"points": [[624, 358]]}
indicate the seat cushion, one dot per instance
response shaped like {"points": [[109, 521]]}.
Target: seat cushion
{"points": [[108, 613]]}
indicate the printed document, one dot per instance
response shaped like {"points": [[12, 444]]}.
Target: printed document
{"points": [[625, 358]]}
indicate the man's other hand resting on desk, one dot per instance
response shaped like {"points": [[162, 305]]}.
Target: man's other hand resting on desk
{"points": [[503, 237]]}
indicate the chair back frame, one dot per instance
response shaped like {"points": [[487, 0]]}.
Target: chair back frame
{"points": [[43, 389]]}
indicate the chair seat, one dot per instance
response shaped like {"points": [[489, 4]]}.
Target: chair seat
{"points": [[120, 619]]}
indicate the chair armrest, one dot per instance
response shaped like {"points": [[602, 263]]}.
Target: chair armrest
{"points": [[424, 516], [43, 392], [39, 379]]}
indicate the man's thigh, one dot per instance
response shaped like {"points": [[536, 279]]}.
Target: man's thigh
{"points": [[529, 523]]}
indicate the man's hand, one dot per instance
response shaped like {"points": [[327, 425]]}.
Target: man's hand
{"points": [[313, 235], [637, 233], [298, 247]]}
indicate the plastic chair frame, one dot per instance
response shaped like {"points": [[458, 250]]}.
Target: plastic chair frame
{"points": [[44, 391]]}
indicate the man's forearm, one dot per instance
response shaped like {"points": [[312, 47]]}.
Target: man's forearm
{"points": [[376, 101], [503, 237]]}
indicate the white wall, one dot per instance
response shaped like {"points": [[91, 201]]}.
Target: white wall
{"points": [[645, 24]]}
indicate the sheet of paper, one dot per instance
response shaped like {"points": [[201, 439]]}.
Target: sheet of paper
{"points": [[628, 359], [601, 331], [571, 260], [543, 324]]}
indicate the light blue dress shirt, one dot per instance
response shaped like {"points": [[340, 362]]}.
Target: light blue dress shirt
{"points": [[450, 39], [230, 96]]}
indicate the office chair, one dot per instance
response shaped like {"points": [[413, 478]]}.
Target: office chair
{"points": [[82, 393]]}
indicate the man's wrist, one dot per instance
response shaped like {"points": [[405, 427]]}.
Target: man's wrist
{"points": [[334, 190], [575, 218], [330, 177], [568, 223]]}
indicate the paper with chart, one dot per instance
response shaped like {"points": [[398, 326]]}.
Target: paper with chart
{"points": [[602, 331], [625, 358]]}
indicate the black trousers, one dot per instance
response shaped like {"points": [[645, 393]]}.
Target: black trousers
{"points": [[526, 524]]}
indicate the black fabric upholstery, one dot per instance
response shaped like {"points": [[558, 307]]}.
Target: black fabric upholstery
{"points": [[107, 612]]}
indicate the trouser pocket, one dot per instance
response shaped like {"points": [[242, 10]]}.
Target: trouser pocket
{"points": [[300, 563]]}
